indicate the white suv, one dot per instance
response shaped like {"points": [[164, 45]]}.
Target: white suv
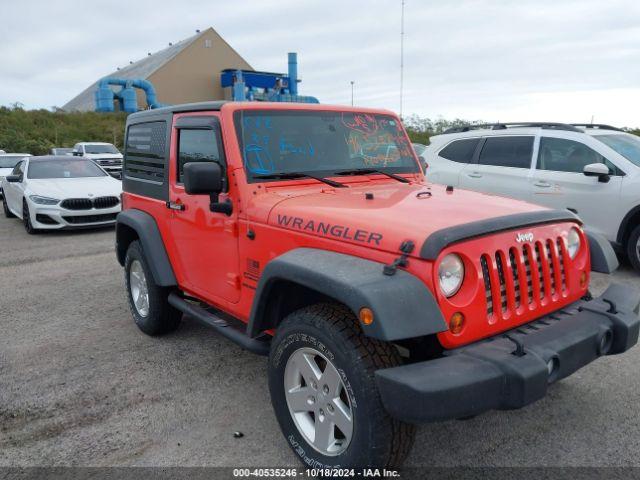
{"points": [[592, 170]]}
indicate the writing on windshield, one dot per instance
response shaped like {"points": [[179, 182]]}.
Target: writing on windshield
{"points": [[321, 143]]}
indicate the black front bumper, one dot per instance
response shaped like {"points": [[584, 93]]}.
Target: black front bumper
{"points": [[514, 369]]}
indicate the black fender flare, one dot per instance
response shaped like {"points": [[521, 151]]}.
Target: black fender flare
{"points": [[402, 304], [147, 231], [603, 258]]}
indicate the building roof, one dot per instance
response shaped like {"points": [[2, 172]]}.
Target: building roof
{"points": [[141, 69]]}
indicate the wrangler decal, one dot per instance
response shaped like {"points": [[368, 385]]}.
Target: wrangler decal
{"points": [[329, 229]]}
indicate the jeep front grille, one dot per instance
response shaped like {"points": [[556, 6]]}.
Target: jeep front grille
{"points": [[524, 274]]}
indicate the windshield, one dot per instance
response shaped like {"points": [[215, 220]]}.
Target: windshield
{"points": [[321, 143], [627, 145], [72, 168], [10, 161], [100, 149]]}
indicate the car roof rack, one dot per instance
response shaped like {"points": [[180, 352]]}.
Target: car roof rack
{"points": [[599, 126], [506, 125]]}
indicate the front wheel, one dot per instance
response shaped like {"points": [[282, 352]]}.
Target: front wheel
{"points": [[26, 219], [323, 391], [633, 248]]}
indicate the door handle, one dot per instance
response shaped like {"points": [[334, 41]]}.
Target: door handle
{"points": [[541, 183], [175, 206], [475, 175]]}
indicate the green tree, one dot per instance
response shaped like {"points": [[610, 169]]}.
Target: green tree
{"points": [[36, 131]]}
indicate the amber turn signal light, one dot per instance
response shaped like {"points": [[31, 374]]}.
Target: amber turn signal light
{"points": [[456, 324], [366, 316], [583, 279]]}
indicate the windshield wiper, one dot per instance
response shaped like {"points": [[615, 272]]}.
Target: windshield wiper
{"points": [[367, 171], [292, 175]]}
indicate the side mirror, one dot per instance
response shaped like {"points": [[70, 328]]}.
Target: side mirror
{"points": [[423, 161], [14, 178], [202, 178], [76, 153], [599, 170], [205, 178]]}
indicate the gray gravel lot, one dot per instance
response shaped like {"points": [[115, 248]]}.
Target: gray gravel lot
{"points": [[80, 385]]}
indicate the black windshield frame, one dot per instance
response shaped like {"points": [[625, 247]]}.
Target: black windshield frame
{"points": [[399, 141]]}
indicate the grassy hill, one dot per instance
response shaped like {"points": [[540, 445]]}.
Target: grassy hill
{"points": [[36, 131]]}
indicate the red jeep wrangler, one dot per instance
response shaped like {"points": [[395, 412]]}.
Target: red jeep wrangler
{"points": [[309, 234]]}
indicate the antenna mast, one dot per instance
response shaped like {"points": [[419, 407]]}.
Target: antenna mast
{"points": [[401, 56]]}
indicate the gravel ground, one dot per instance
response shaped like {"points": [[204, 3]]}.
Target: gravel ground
{"points": [[80, 385]]}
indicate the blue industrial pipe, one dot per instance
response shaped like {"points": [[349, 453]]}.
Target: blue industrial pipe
{"points": [[104, 96], [293, 73]]}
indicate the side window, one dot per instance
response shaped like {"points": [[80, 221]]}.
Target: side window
{"points": [[460, 150], [507, 151], [144, 152], [562, 155], [197, 146]]}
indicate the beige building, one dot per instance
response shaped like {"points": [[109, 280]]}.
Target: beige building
{"points": [[187, 71]]}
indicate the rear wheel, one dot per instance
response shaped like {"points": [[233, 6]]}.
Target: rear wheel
{"points": [[26, 219], [147, 301], [323, 391], [5, 207], [633, 248]]}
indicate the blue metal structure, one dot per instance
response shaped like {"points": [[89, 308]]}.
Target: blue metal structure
{"points": [[126, 96], [265, 86]]}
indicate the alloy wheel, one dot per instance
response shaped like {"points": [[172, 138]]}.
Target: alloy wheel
{"points": [[138, 288], [318, 401]]}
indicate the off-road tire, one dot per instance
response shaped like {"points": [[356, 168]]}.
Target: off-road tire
{"points": [[377, 440], [632, 252], [7, 213], [26, 219], [161, 317]]}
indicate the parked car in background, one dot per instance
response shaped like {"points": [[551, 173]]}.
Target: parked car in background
{"points": [[420, 152], [61, 151], [592, 170], [7, 162], [104, 154], [60, 192]]}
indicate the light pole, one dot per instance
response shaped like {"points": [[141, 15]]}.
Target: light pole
{"points": [[352, 82]]}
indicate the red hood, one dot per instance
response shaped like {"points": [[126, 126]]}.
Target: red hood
{"points": [[397, 212]]}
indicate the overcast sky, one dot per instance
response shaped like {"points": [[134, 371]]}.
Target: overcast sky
{"points": [[545, 60]]}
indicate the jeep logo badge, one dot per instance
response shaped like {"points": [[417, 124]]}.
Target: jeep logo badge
{"points": [[524, 237]]}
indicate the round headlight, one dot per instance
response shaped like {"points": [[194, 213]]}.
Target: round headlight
{"points": [[450, 274], [573, 242]]}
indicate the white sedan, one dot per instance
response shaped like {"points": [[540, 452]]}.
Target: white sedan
{"points": [[61, 192]]}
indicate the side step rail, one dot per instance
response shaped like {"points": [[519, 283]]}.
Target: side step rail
{"points": [[220, 325]]}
